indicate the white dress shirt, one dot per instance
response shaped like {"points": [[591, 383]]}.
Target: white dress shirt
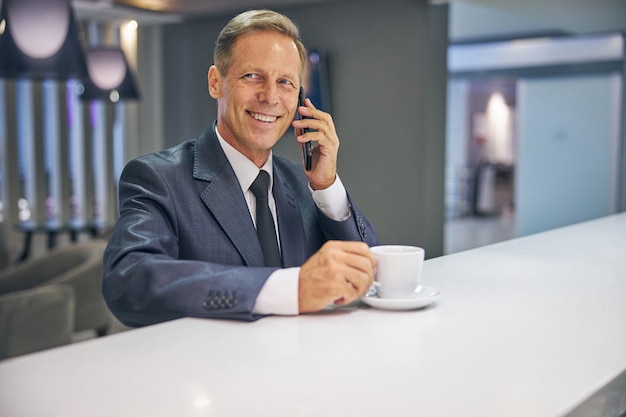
{"points": [[279, 295]]}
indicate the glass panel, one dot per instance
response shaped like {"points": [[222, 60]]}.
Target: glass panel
{"points": [[51, 123], [26, 151], [76, 157]]}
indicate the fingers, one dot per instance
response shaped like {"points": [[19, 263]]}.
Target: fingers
{"points": [[320, 124], [339, 273], [322, 131]]}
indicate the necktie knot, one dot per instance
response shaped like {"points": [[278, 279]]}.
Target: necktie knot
{"points": [[260, 185]]}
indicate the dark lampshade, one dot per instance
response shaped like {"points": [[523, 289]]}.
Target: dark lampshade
{"points": [[110, 77], [40, 39]]}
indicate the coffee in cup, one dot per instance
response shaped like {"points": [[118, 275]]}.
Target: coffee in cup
{"points": [[399, 269]]}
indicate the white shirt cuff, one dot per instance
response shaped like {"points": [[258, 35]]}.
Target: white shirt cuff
{"points": [[333, 201], [279, 295]]}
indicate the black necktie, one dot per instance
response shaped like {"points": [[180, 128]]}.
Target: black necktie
{"points": [[264, 222]]}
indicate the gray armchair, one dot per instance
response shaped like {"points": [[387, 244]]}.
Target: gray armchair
{"points": [[78, 266], [36, 319]]}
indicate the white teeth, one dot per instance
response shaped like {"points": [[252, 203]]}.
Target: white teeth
{"points": [[264, 117]]}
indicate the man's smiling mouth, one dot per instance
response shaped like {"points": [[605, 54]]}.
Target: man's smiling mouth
{"points": [[263, 117]]}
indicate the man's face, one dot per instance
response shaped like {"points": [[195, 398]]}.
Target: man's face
{"points": [[258, 97]]}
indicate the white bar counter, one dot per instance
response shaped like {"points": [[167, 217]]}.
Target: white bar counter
{"points": [[532, 327]]}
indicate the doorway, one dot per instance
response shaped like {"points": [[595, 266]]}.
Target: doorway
{"points": [[480, 162]]}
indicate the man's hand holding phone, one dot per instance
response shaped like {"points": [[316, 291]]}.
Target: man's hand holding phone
{"points": [[313, 125]]}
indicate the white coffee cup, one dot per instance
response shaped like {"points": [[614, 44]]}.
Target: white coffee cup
{"points": [[399, 269]]}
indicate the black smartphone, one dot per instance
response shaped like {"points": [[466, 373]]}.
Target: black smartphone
{"points": [[307, 150]]}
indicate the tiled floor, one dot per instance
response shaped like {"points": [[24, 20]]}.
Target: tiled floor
{"points": [[470, 232]]}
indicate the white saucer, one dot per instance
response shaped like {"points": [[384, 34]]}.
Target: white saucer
{"points": [[422, 297]]}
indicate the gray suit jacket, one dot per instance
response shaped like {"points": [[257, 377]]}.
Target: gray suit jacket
{"points": [[185, 243]]}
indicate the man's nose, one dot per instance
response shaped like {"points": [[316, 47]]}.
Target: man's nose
{"points": [[269, 93]]}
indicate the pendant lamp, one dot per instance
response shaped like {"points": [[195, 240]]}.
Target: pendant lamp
{"points": [[110, 77], [39, 39]]}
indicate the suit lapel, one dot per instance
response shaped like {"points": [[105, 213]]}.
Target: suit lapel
{"points": [[221, 193]]}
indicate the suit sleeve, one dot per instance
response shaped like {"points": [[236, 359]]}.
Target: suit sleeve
{"points": [[356, 227], [147, 279]]}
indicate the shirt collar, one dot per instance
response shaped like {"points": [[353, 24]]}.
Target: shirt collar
{"points": [[245, 170]]}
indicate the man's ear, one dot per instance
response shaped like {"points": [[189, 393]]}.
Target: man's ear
{"points": [[214, 79]]}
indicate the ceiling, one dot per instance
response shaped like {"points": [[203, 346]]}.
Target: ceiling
{"points": [[468, 18], [158, 11], [196, 7]]}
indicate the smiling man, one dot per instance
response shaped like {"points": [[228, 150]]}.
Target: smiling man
{"points": [[200, 234]]}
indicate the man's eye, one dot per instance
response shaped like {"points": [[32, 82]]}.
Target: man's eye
{"points": [[252, 77], [285, 83]]}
